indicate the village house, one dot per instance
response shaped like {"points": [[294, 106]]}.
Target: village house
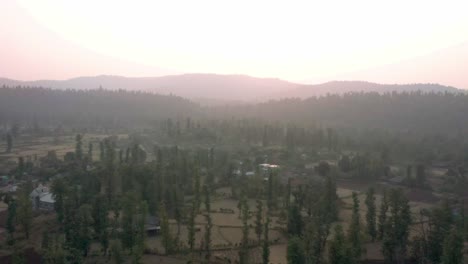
{"points": [[42, 199], [268, 167], [152, 225]]}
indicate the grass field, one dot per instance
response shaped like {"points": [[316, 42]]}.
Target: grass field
{"points": [[29, 147]]}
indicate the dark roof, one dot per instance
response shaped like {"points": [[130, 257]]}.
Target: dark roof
{"points": [[152, 222], [397, 179]]}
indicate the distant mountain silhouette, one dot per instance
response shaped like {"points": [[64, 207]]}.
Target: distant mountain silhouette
{"points": [[222, 89], [447, 66], [340, 87], [194, 86]]}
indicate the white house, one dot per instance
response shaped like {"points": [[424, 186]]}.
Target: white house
{"points": [[47, 202], [268, 167], [42, 199]]}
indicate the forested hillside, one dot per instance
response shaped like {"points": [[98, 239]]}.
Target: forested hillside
{"points": [[89, 108], [342, 87], [415, 112]]}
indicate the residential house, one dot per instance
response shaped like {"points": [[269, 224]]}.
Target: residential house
{"points": [[42, 199], [152, 225]]}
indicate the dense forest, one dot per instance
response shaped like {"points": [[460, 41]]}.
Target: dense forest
{"points": [[426, 113], [91, 108], [415, 111]]}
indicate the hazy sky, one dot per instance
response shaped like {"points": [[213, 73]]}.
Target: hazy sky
{"points": [[294, 40]]}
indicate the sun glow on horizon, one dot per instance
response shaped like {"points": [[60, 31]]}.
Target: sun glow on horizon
{"points": [[294, 40]]}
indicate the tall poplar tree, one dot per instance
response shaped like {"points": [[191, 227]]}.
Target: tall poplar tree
{"points": [[244, 250], [382, 215], [209, 223], [339, 251], [259, 221], [266, 242], [354, 231], [78, 147], [371, 214]]}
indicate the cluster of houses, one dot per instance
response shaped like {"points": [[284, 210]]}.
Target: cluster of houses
{"points": [[262, 168], [41, 198], [7, 185]]}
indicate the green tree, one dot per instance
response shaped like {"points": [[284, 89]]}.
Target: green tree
{"points": [[25, 216], [345, 163], [78, 147], [295, 223], [259, 221], [84, 230], [18, 256], [315, 237], [383, 215], [196, 190], [59, 191], [418, 250], [191, 227], [167, 240], [265, 137], [102, 151], [53, 252], [140, 233], [116, 252], [323, 168], [330, 198], [420, 175], [270, 193], [128, 228], [11, 219], [99, 213], [295, 252], [371, 214], [354, 231], [453, 248], [440, 222], [90, 151], [287, 198], [244, 250], [100, 221], [339, 251], [9, 140], [395, 239], [266, 242], [21, 167], [209, 223]]}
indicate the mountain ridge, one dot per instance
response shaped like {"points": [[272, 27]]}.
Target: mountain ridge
{"points": [[226, 88]]}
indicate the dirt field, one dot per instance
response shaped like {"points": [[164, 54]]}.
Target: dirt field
{"points": [[28, 147]]}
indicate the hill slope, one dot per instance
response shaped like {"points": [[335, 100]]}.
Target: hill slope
{"points": [[207, 86], [89, 108], [341, 87]]}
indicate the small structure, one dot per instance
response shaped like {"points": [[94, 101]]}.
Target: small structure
{"points": [[47, 202], [397, 180], [250, 174], [267, 167], [4, 180], [12, 188], [152, 225], [226, 211], [42, 199], [442, 164]]}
